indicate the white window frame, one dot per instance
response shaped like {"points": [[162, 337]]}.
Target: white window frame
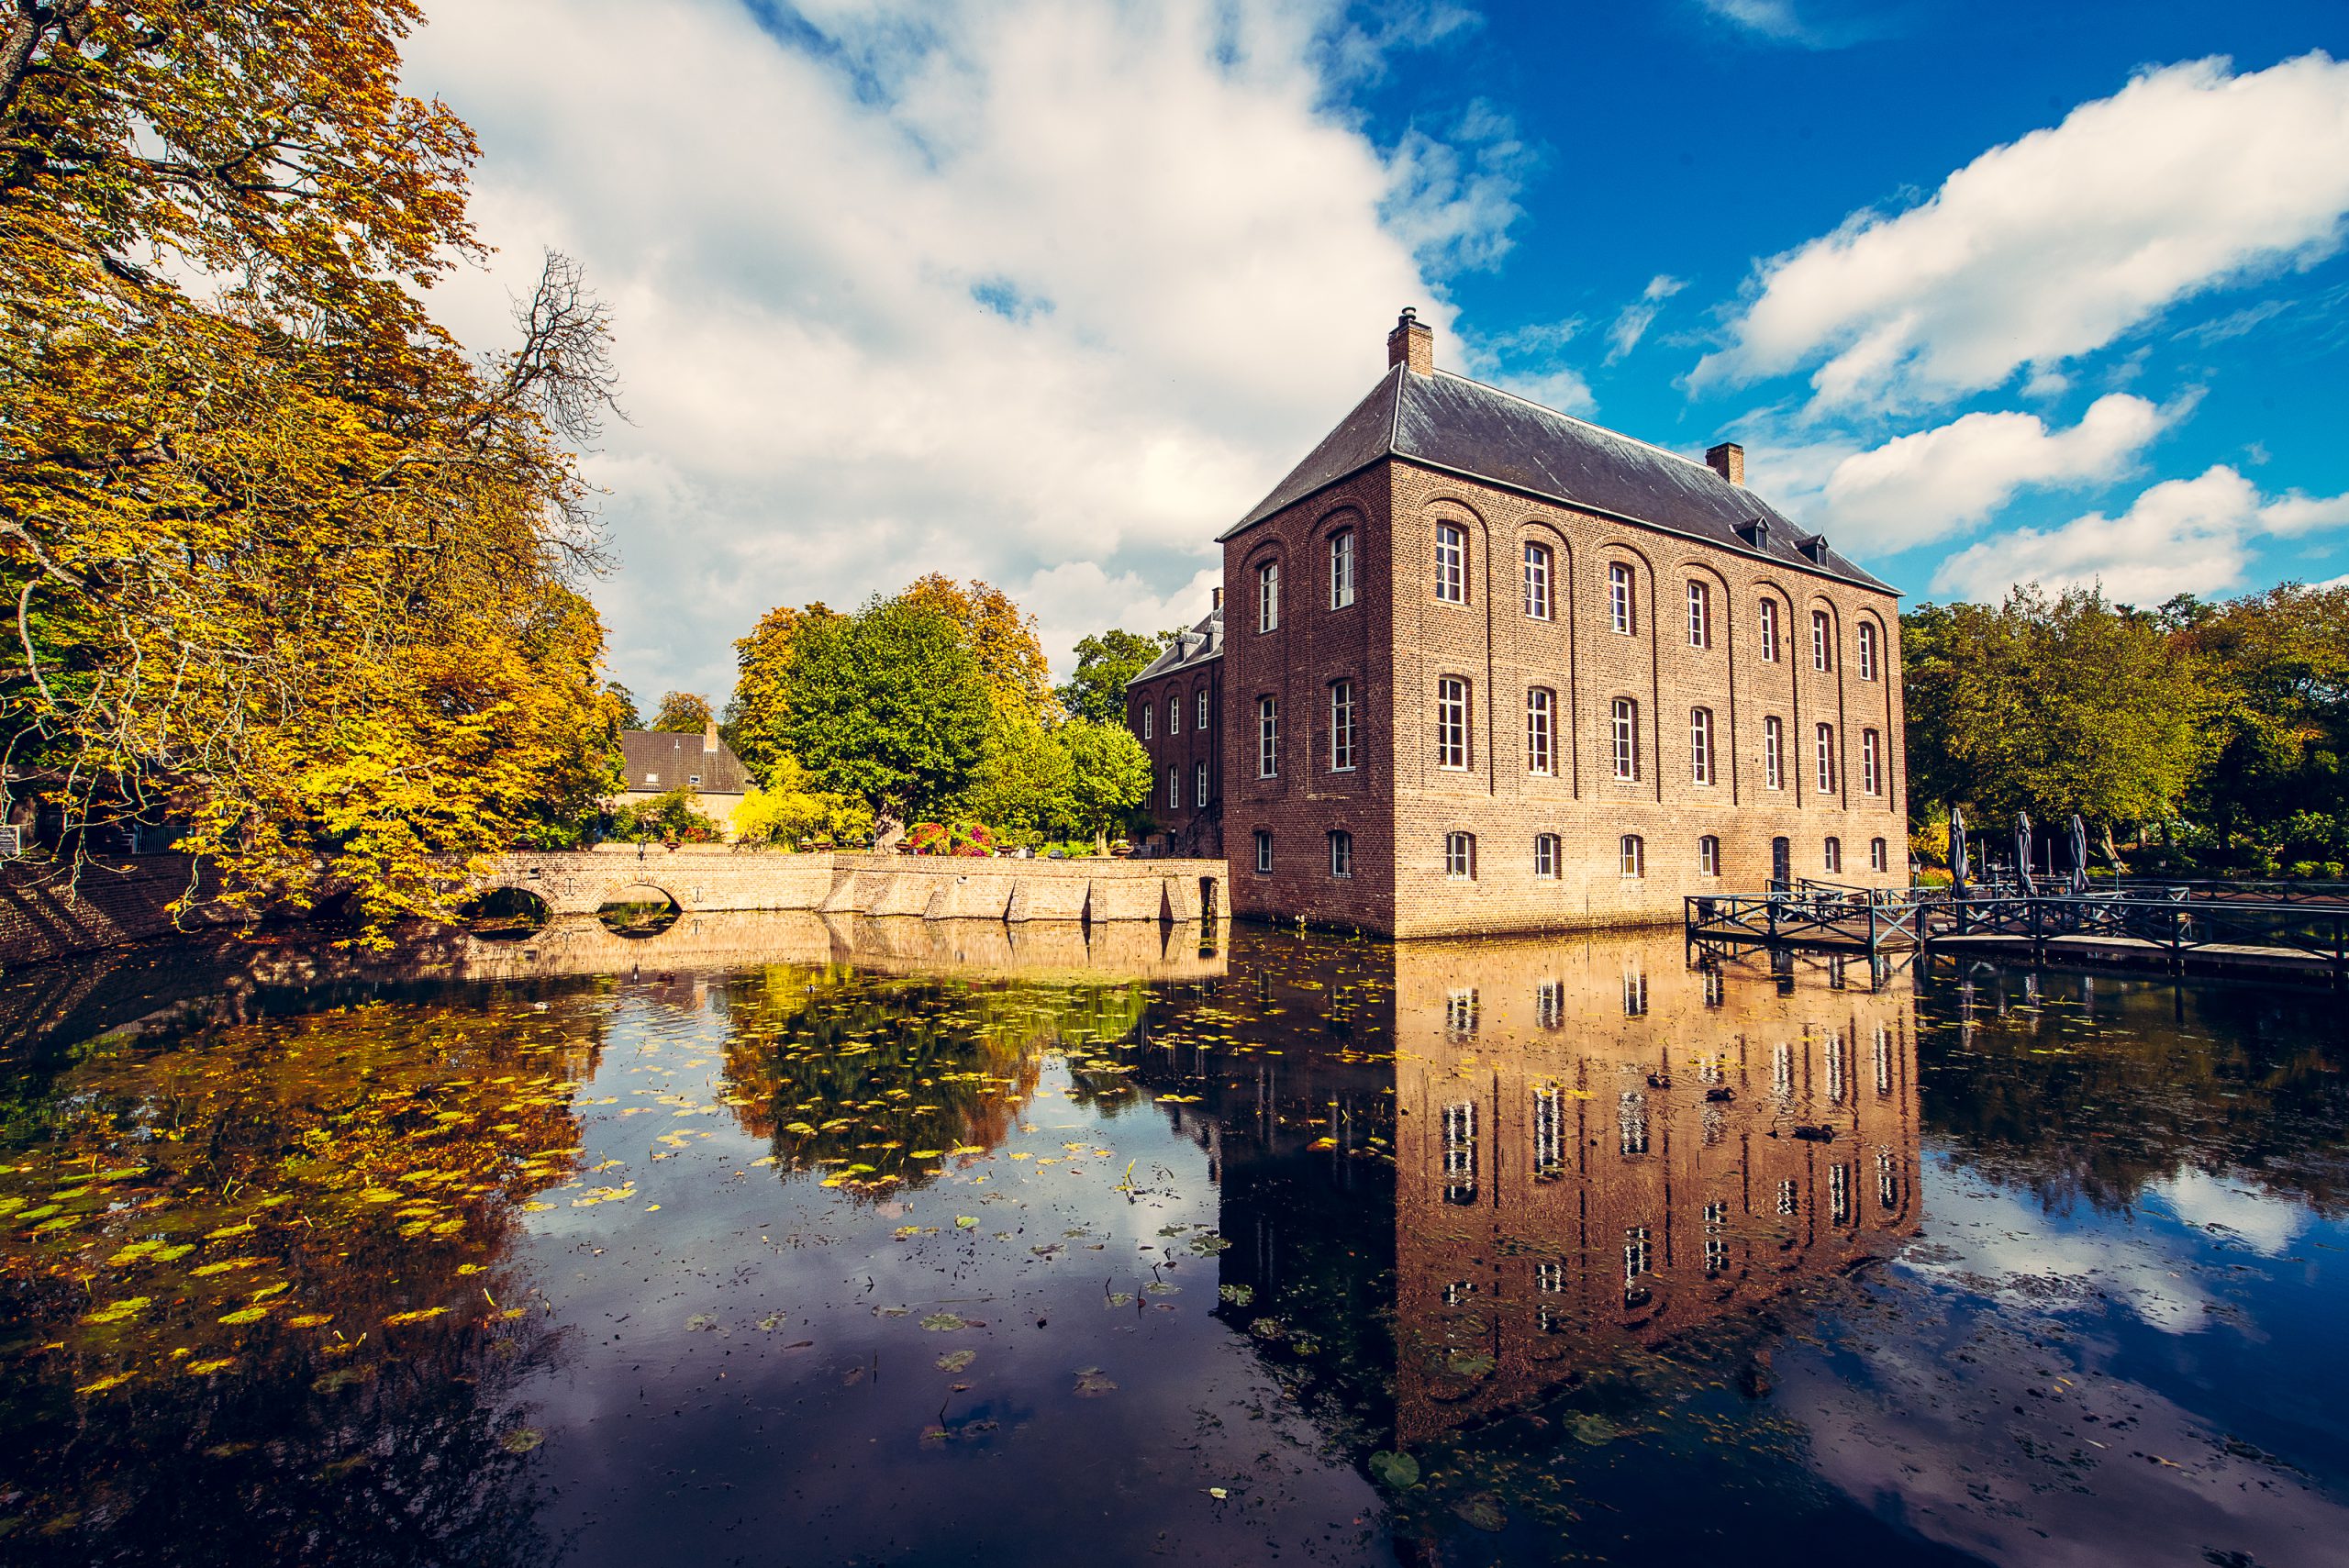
{"points": [[1175, 789], [1202, 723], [1538, 578], [1149, 719], [1545, 856], [1175, 713], [1632, 856], [1831, 853], [1268, 597], [1700, 614], [1342, 727], [1341, 569], [1460, 856], [1342, 852], [1453, 750], [1774, 752], [1867, 651], [1626, 735], [1700, 745], [1871, 763], [1199, 783], [1769, 629], [1451, 563], [1819, 640], [1622, 613], [1709, 856], [1264, 852], [1879, 856], [1541, 732], [1268, 738], [1825, 736]]}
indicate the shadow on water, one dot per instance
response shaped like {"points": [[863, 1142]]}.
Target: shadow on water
{"points": [[926, 1243]]}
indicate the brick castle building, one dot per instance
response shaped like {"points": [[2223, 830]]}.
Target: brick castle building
{"points": [[1485, 666]]}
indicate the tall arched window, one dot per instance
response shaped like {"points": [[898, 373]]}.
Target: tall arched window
{"points": [[1700, 615], [1545, 856], [1203, 707], [1871, 763], [1867, 651], [1709, 856], [1541, 732], [1268, 738], [1832, 854], [1341, 569], [1769, 630], [1175, 714], [1342, 727], [1632, 855], [1621, 613], [1460, 855], [1268, 597], [1451, 563], [1342, 853], [1627, 739], [1774, 754], [1827, 759], [1700, 745], [1173, 789], [1879, 856], [1451, 722], [1537, 582], [1148, 712], [1821, 638]]}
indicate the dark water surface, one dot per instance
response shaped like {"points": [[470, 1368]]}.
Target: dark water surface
{"points": [[921, 1250]]}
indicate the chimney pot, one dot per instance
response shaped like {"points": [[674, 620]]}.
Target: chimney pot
{"points": [[709, 736], [1217, 603], [1728, 460], [1411, 344]]}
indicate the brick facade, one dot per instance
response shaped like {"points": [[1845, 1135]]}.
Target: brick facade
{"points": [[1401, 640], [1183, 750]]}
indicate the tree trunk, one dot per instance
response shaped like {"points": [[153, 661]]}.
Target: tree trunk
{"points": [[1100, 841], [888, 832]]}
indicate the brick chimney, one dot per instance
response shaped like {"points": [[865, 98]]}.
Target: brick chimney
{"points": [[709, 736], [1411, 344], [1728, 460], [1217, 603]]}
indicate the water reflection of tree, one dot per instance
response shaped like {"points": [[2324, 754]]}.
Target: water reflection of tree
{"points": [[257, 1305], [2082, 1088], [882, 1078]]}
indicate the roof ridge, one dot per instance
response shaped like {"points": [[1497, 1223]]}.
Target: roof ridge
{"points": [[1589, 424]]}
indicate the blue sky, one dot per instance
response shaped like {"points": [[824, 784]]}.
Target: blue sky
{"points": [[1051, 291]]}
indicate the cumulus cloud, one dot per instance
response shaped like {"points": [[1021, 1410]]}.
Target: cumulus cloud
{"points": [[2181, 536], [994, 289], [1940, 482], [2051, 247], [1636, 317]]}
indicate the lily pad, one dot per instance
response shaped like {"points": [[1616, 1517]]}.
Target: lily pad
{"points": [[1092, 1383], [1482, 1511], [943, 1323], [1400, 1471], [955, 1361], [521, 1439]]}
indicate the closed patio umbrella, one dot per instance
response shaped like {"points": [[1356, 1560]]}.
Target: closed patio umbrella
{"points": [[2079, 853], [2022, 849], [1957, 850]]}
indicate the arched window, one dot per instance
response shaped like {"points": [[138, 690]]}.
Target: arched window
{"points": [[1621, 613], [1173, 789], [1827, 759], [1700, 615], [1700, 745], [1541, 732], [1871, 763], [1831, 854], [1867, 651], [1632, 855], [1341, 569], [1460, 856], [1769, 630], [1537, 582], [1451, 563], [1451, 722], [1268, 738], [1709, 856], [1148, 712], [1268, 597], [1627, 739], [1342, 727], [1774, 754], [1545, 856], [1203, 707], [1175, 714], [1879, 856], [1821, 638], [1199, 785], [1342, 853]]}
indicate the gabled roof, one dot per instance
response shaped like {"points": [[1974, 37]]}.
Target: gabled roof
{"points": [[1197, 646], [1448, 422], [675, 758]]}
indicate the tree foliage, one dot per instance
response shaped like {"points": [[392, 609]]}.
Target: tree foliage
{"points": [[888, 706], [789, 809], [281, 558], [672, 817], [1108, 776], [2051, 705], [687, 713], [1000, 637], [1104, 665], [758, 711]]}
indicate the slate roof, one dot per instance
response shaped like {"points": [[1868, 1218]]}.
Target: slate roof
{"points": [[1447, 421], [675, 758], [1195, 647]]}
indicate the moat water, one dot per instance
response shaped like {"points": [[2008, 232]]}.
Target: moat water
{"points": [[1231, 1247]]}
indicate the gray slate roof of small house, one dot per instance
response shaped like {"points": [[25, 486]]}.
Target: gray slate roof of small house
{"points": [[1448, 422], [1197, 646], [677, 757]]}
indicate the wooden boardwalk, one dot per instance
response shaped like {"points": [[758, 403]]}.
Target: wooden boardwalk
{"points": [[2179, 929]]}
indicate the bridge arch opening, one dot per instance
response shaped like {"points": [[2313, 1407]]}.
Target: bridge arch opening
{"points": [[639, 910], [506, 915]]}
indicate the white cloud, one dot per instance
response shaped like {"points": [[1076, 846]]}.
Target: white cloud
{"points": [[2181, 536], [2051, 247], [1936, 482], [991, 289], [1780, 22], [1633, 323]]}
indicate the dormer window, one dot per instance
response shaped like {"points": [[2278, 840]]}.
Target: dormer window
{"points": [[652, 778]]}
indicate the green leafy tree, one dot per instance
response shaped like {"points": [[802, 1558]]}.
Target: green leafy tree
{"points": [[788, 810], [1109, 777], [1104, 665], [630, 719], [2051, 705], [1021, 787], [888, 706], [674, 817], [757, 712], [682, 713]]}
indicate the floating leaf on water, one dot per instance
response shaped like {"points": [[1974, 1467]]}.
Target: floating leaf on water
{"points": [[116, 1311], [417, 1316], [943, 1323], [521, 1439], [245, 1314], [955, 1361], [1237, 1294], [1092, 1383], [310, 1320], [1482, 1511], [1121, 1298], [1594, 1430], [1209, 1243], [964, 1221], [1397, 1471], [112, 1380], [206, 1368], [700, 1322], [1217, 1493]]}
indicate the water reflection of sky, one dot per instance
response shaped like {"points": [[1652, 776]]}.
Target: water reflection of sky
{"points": [[1633, 1262]]}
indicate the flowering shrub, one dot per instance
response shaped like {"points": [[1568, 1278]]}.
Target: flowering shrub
{"points": [[956, 839]]}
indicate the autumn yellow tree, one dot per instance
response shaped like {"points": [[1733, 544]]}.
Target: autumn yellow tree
{"points": [[279, 556], [1001, 637]]}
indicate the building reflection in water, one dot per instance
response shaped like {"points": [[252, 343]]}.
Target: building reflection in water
{"points": [[1596, 1149]]}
